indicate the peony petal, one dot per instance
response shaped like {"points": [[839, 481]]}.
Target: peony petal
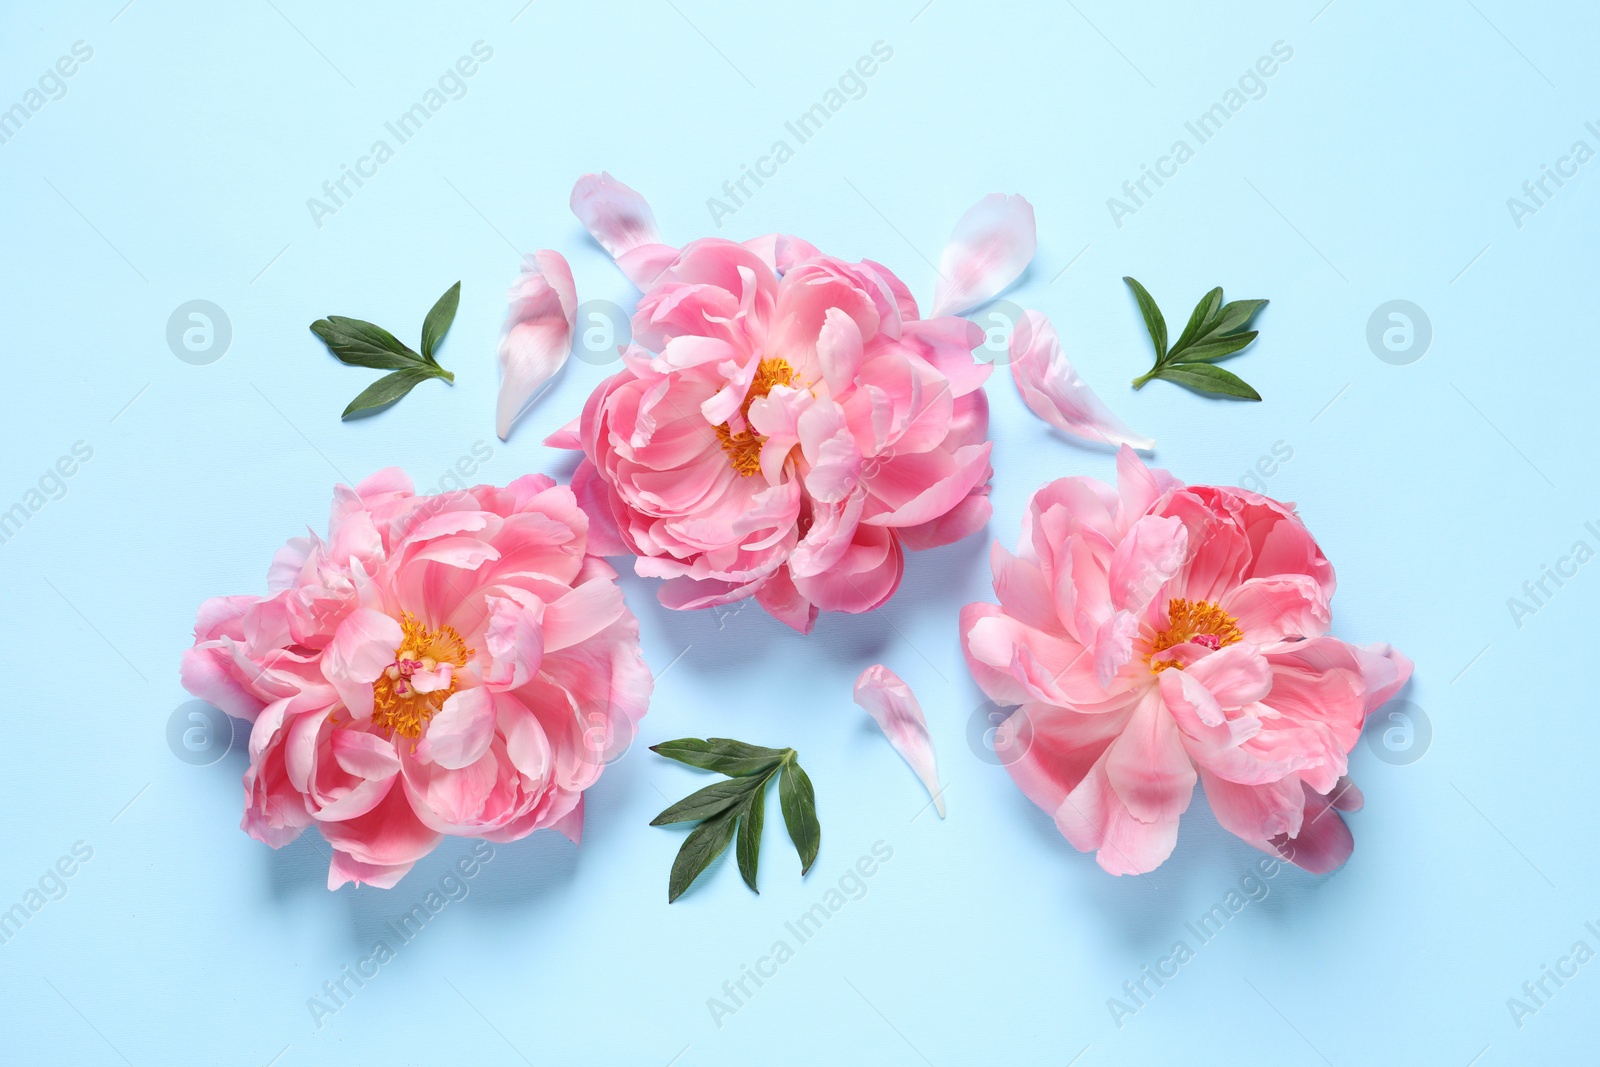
{"points": [[362, 647], [989, 249], [623, 223], [892, 705], [346, 868], [365, 755], [616, 216], [460, 734], [1053, 391], [538, 333], [839, 351]]}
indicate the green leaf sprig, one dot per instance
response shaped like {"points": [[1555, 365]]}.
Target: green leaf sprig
{"points": [[738, 802], [361, 344], [1215, 332]]}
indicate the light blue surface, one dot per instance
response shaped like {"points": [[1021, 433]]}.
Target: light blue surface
{"points": [[1375, 165]]}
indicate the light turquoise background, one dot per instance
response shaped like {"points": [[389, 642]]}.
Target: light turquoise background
{"points": [[1376, 166]]}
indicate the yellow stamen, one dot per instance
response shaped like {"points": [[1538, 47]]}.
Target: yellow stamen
{"points": [[396, 703], [1188, 620], [744, 447]]}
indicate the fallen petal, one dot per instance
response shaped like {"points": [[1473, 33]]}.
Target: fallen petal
{"points": [[1052, 389], [538, 333], [621, 220], [893, 706], [988, 250]]}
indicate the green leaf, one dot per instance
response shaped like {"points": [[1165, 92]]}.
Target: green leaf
{"points": [[722, 754], [1205, 378], [437, 324], [739, 799], [799, 805], [1213, 349], [711, 801], [1200, 317], [1215, 331], [1236, 316], [748, 849], [361, 344], [1152, 318], [388, 389], [705, 843]]}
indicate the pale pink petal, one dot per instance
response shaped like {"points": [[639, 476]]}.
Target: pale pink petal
{"points": [[365, 755], [1053, 391], [839, 351], [538, 333], [514, 641], [460, 733], [364, 644], [831, 450], [991, 246], [616, 216], [581, 614], [892, 705]]}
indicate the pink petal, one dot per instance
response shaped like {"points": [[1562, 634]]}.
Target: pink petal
{"points": [[365, 755], [571, 824], [538, 333], [892, 705], [839, 351], [460, 734], [1053, 391], [581, 614], [989, 249], [362, 647], [617, 216], [514, 641], [1148, 766], [779, 597], [567, 436], [346, 868], [623, 223]]}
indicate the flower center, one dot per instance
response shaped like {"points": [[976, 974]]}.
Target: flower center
{"points": [[1199, 621], [413, 688], [744, 447]]}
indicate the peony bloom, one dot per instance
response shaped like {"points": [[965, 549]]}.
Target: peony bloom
{"points": [[1159, 634], [453, 664], [785, 425]]}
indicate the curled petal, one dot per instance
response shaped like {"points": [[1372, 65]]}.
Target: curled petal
{"points": [[988, 250], [1052, 389], [623, 223], [460, 734], [892, 705], [538, 333]]}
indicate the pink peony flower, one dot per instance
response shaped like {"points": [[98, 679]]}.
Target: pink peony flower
{"points": [[1159, 634], [454, 664], [785, 425]]}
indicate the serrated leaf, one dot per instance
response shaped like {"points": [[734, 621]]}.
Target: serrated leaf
{"points": [[362, 344], [437, 324], [709, 802], [748, 850], [1213, 349], [388, 389], [720, 754], [1199, 319], [799, 804], [1235, 316], [1153, 322], [1206, 378], [705, 843]]}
